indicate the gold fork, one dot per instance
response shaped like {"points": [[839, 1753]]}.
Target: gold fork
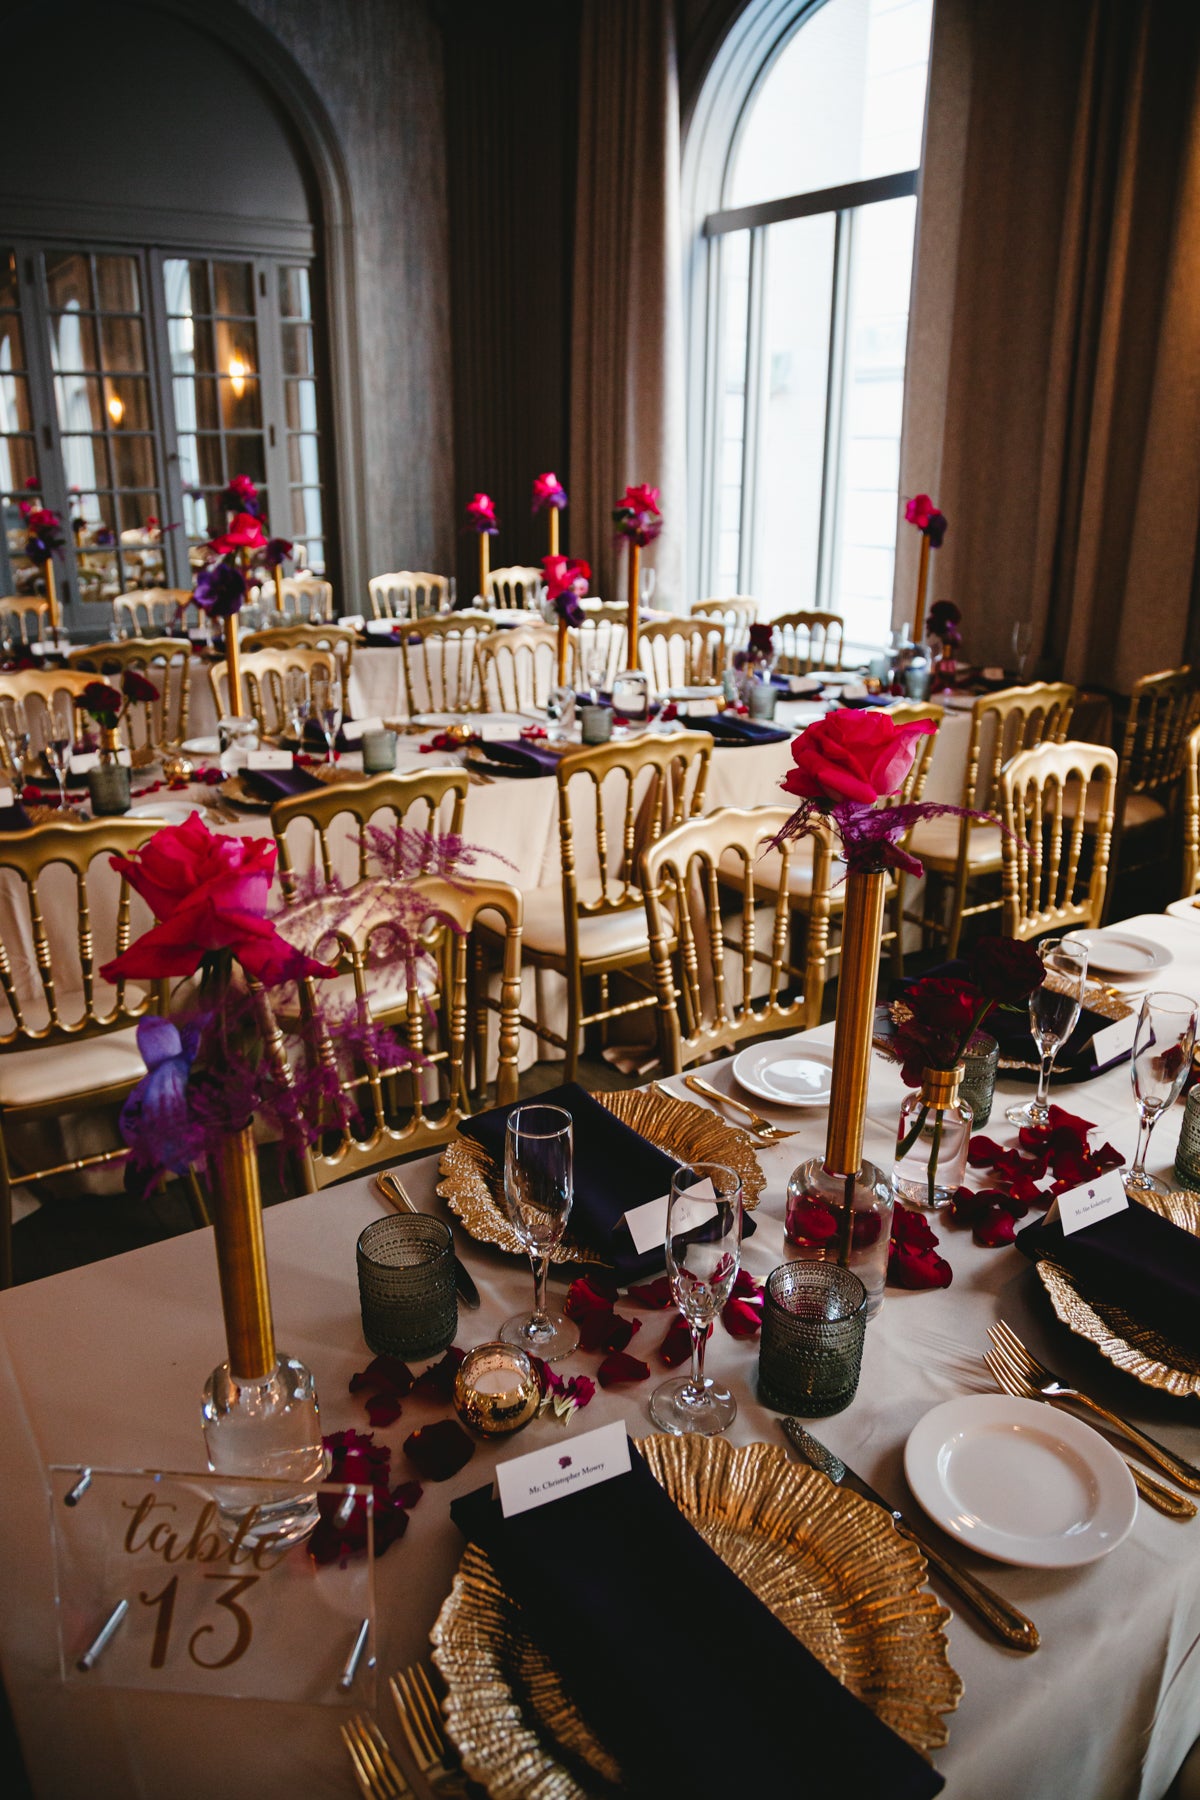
{"points": [[763, 1128], [1155, 1492], [1051, 1388], [375, 1768], [420, 1720]]}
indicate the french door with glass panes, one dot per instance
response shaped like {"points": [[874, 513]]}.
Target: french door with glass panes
{"points": [[134, 384]]}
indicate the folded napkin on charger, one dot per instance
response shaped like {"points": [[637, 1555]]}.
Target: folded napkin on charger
{"points": [[729, 728], [508, 756], [1136, 1260], [1076, 1061], [615, 1167], [279, 784], [14, 818], [647, 1628]]}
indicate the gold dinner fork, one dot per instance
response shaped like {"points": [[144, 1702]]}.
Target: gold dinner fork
{"points": [[1051, 1388], [1155, 1492], [763, 1128], [375, 1768], [420, 1721]]}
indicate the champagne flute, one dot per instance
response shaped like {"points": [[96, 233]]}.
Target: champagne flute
{"points": [[16, 742], [704, 1245], [538, 1189], [646, 585], [1162, 1056], [1053, 1016], [59, 743], [327, 703], [1022, 644], [297, 702]]}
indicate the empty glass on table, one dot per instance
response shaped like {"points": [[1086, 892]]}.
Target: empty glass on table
{"points": [[1162, 1056], [58, 743], [1053, 1016], [704, 1248], [327, 705], [297, 701], [538, 1191]]}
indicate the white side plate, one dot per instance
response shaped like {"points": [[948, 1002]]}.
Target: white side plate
{"points": [[202, 746], [171, 812], [1118, 952], [1020, 1481], [787, 1072]]}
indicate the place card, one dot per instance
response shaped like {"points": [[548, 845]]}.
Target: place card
{"points": [[6, 797], [269, 759], [79, 765], [353, 729], [1091, 1201], [544, 1475], [992, 674], [647, 1224], [353, 621], [379, 628], [1115, 1040]]}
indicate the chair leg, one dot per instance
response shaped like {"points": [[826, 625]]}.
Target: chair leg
{"points": [[956, 917], [574, 1009], [479, 971], [6, 1218]]}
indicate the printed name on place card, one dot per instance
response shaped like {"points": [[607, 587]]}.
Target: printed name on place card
{"points": [[269, 759], [647, 1225], [544, 1475], [352, 729], [1114, 1040], [6, 796], [1091, 1201]]}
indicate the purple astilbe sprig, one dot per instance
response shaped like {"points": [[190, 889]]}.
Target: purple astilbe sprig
{"points": [[870, 835], [220, 589]]}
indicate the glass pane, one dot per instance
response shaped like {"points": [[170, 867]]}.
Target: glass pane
{"points": [[121, 344], [304, 464], [306, 511], [294, 300], [798, 286], [12, 347], [195, 516], [127, 403], [844, 101], [247, 457], [73, 342], [98, 577], [136, 509], [8, 279], [297, 350], [69, 281], [314, 556], [117, 286], [14, 403], [85, 462], [177, 284], [133, 462], [195, 404], [734, 252], [80, 403], [212, 466], [300, 399], [18, 463], [233, 288], [241, 408]]}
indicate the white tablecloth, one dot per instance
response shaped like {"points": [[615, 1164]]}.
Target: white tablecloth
{"points": [[105, 1365]]}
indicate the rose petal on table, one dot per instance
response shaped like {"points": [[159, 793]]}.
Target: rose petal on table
{"points": [[676, 1347], [383, 1409], [439, 1451], [387, 1374], [437, 1381], [620, 1368], [995, 1227], [652, 1293]]}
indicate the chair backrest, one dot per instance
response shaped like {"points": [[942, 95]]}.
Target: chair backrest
{"points": [[68, 913], [434, 1031], [1044, 796], [339, 638], [908, 713], [739, 607], [166, 662], [26, 696], [518, 668], [682, 652], [305, 597], [264, 682], [1014, 719], [614, 801], [1191, 815], [149, 612], [598, 646], [26, 617], [1163, 709], [337, 819], [408, 594], [808, 641], [516, 585], [704, 1004], [441, 673]]}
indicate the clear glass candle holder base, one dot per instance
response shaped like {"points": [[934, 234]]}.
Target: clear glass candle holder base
{"points": [[815, 1214], [267, 1428], [685, 1408]]}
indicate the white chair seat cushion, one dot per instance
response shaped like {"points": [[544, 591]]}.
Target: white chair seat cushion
{"points": [[606, 935], [768, 868], [1140, 809], [68, 1071], [937, 840]]}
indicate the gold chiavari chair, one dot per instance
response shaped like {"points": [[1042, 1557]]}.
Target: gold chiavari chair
{"points": [[264, 683], [150, 612], [682, 652], [599, 644], [25, 617], [339, 638], [616, 610], [303, 596], [613, 801], [515, 586], [957, 852], [1191, 815], [408, 594], [808, 641], [1046, 795], [738, 608], [1163, 709], [703, 1006], [26, 696], [441, 672], [67, 1039], [518, 668], [150, 724]]}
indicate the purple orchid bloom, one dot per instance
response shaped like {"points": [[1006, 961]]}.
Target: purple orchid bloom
{"points": [[156, 1120], [276, 553], [220, 589]]}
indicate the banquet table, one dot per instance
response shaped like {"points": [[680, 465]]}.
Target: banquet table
{"points": [[104, 1366]]}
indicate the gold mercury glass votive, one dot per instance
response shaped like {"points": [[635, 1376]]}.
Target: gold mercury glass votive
{"points": [[496, 1390]]}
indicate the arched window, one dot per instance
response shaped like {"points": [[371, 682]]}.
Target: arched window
{"points": [[804, 272]]}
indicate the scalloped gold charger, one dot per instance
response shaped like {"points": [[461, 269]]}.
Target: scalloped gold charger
{"points": [[472, 1183], [828, 1564], [1120, 1338]]}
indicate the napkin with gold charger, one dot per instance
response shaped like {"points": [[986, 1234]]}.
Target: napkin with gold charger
{"points": [[1136, 1259]]}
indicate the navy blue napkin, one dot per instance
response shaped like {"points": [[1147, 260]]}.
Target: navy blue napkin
{"points": [[616, 1169], [510, 756], [1135, 1260], [14, 818], [727, 728], [279, 784], [642, 1620]]}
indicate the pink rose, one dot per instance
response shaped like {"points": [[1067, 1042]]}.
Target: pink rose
{"points": [[245, 533], [919, 511], [853, 756]]}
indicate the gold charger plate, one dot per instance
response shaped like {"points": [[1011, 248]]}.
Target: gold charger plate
{"points": [[1120, 1338], [235, 791], [471, 1182], [828, 1564]]}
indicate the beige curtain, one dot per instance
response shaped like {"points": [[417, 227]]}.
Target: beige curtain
{"points": [[627, 331], [1057, 309]]}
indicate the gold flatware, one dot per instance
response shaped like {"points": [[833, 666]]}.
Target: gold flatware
{"points": [[763, 1128], [375, 1768], [1156, 1493], [396, 1194], [1051, 1388], [421, 1722], [1010, 1625]]}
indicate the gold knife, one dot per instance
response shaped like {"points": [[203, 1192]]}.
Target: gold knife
{"points": [[395, 1193], [1009, 1625]]}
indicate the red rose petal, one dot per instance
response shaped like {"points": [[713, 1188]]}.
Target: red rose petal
{"points": [[439, 1451], [387, 1374], [652, 1293], [383, 1409], [676, 1347], [620, 1368], [437, 1382], [995, 1228], [917, 1269], [741, 1318], [619, 1332]]}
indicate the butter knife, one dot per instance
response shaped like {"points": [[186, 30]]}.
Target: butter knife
{"points": [[394, 1192], [1009, 1625]]}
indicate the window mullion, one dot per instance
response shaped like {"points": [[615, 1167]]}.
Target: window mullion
{"points": [[835, 402], [35, 311], [176, 565], [270, 356], [752, 421]]}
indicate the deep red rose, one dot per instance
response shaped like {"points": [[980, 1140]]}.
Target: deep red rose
{"points": [[1005, 971], [853, 756], [919, 511], [102, 702], [941, 1003], [245, 533], [136, 687]]}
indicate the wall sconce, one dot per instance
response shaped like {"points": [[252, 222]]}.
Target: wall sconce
{"points": [[116, 408], [238, 372]]}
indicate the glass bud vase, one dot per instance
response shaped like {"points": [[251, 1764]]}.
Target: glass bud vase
{"points": [[932, 1140], [815, 1221], [108, 782]]}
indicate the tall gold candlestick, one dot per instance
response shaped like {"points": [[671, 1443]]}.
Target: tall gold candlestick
{"points": [[922, 584], [635, 583], [553, 511], [233, 665], [242, 1258], [563, 648], [278, 573], [862, 929], [51, 594], [484, 575]]}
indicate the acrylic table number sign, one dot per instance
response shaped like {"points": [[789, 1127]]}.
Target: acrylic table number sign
{"points": [[168, 1582]]}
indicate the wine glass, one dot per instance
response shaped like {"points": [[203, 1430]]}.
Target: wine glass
{"points": [[16, 743], [327, 704], [704, 1243], [538, 1189], [1053, 1016], [58, 745], [1162, 1056], [1022, 644], [648, 581], [296, 699]]}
